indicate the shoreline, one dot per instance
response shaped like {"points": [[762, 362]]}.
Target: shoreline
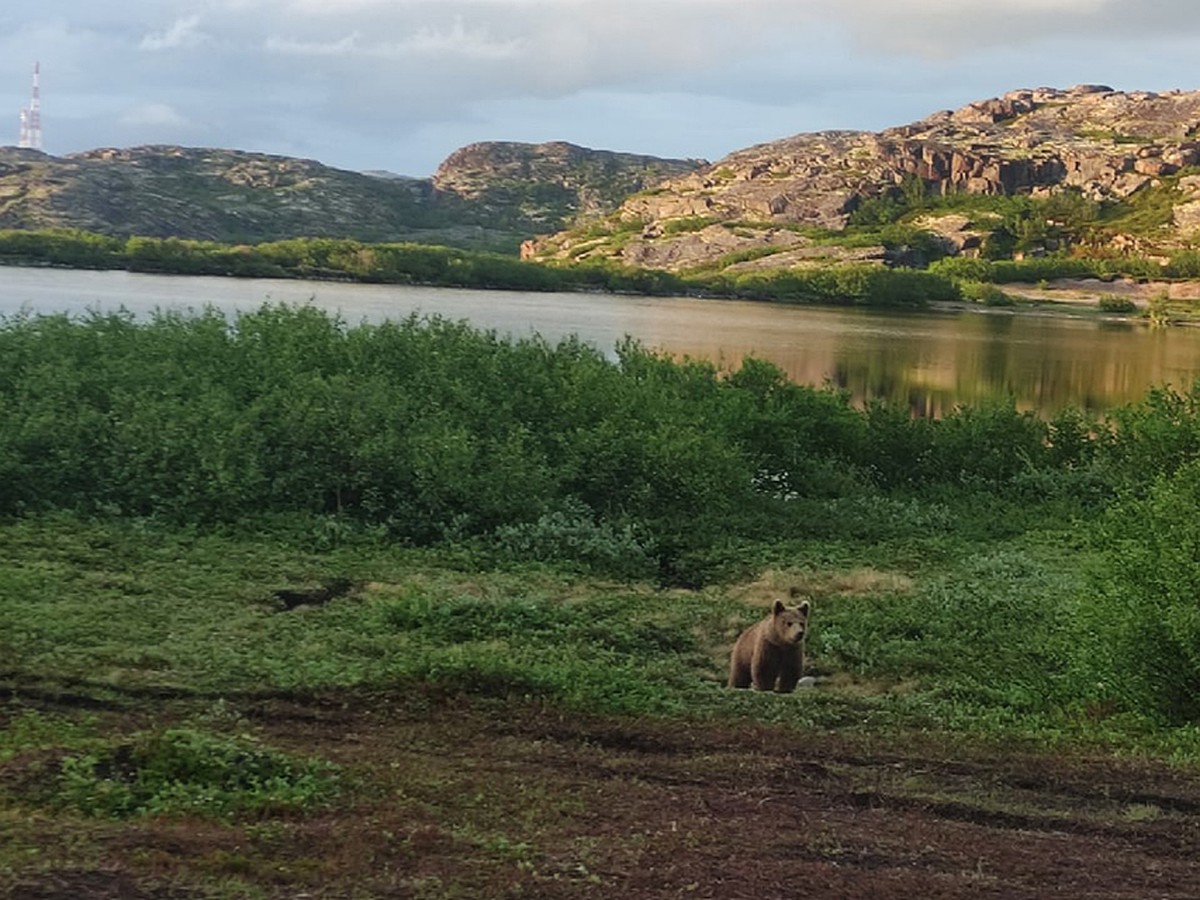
{"points": [[1077, 297], [1081, 298]]}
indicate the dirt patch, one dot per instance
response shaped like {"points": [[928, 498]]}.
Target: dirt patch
{"points": [[1140, 292], [451, 797], [93, 884]]}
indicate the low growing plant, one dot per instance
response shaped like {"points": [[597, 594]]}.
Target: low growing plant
{"points": [[572, 535], [1113, 303], [987, 294], [188, 771]]}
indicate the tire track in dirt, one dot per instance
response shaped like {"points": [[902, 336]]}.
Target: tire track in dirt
{"points": [[452, 796]]}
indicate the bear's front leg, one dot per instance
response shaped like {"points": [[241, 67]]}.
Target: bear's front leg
{"points": [[739, 672], [789, 673], [763, 671]]}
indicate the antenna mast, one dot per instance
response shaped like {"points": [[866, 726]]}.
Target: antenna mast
{"points": [[31, 116]]}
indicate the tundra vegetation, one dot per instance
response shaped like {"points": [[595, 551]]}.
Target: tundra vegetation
{"points": [[221, 536]]}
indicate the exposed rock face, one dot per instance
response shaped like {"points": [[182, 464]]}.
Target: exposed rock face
{"points": [[486, 195], [1187, 214], [1103, 143], [690, 249], [955, 231]]}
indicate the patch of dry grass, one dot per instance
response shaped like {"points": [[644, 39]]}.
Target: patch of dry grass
{"points": [[800, 583]]}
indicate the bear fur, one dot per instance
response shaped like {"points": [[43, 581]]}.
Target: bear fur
{"points": [[769, 656]]}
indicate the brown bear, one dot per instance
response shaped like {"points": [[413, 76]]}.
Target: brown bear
{"points": [[770, 655]]}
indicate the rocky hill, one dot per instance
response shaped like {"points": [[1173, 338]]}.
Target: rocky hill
{"points": [[532, 186], [763, 205], [485, 195]]}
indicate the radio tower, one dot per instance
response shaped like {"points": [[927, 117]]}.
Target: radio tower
{"points": [[31, 116]]}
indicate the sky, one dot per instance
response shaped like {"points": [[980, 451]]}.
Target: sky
{"points": [[398, 85]]}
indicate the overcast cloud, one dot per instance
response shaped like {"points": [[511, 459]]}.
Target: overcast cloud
{"points": [[399, 84]]}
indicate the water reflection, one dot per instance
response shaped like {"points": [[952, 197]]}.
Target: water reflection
{"points": [[934, 362], [930, 362]]}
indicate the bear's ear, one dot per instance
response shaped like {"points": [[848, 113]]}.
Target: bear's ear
{"points": [[803, 608], [777, 608]]}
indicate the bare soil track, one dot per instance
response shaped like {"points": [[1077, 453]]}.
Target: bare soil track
{"points": [[449, 797]]}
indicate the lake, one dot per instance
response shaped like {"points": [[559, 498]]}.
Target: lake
{"points": [[930, 361]]}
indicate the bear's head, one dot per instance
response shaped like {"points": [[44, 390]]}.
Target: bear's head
{"points": [[789, 623]]}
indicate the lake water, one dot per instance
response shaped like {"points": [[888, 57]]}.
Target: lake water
{"points": [[931, 361]]}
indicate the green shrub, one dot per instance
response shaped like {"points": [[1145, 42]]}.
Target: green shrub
{"points": [[873, 516], [1184, 264], [185, 771], [1152, 438], [687, 224], [987, 294], [964, 268], [864, 285], [1144, 615], [1114, 303], [573, 535], [986, 445], [1039, 268]]}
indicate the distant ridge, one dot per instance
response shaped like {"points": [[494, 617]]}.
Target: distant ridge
{"points": [[1134, 156], [487, 195]]}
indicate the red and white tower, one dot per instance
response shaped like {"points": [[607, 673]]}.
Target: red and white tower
{"points": [[31, 116]]}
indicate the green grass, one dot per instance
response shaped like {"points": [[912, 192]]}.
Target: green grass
{"points": [[979, 641]]}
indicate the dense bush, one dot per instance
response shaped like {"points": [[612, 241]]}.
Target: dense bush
{"points": [[1116, 304], [1045, 268], [429, 431], [1144, 615], [1152, 438], [1184, 264], [65, 247], [864, 285], [434, 431], [987, 294], [965, 268]]}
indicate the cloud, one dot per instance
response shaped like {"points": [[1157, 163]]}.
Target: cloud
{"points": [[939, 30], [182, 33], [289, 46], [379, 83], [429, 42], [458, 40]]}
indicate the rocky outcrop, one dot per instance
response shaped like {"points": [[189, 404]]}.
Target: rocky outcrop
{"points": [[1105, 144], [1186, 214], [485, 195]]}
